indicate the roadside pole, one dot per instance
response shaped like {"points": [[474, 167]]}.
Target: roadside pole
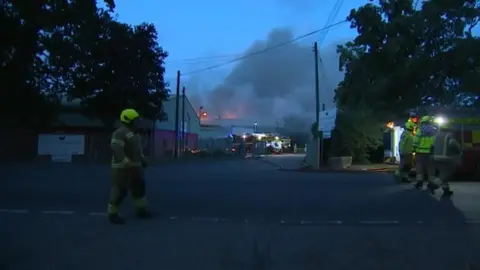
{"points": [[319, 138]]}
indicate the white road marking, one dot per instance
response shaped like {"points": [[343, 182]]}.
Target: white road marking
{"points": [[472, 221], [379, 222], [206, 219], [102, 214], [48, 212], [14, 211], [246, 221], [316, 222]]}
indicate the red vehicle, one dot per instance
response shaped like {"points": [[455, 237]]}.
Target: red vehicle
{"points": [[466, 126]]}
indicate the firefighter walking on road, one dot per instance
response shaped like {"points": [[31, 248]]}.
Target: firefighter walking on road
{"points": [[127, 168], [406, 152], [447, 154], [422, 147]]}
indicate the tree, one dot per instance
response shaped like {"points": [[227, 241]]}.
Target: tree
{"points": [[403, 55], [118, 66], [31, 80], [72, 48], [404, 58]]}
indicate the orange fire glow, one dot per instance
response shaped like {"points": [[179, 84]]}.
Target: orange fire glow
{"points": [[228, 115]]}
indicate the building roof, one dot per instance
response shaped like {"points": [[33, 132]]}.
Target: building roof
{"points": [[170, 103]]}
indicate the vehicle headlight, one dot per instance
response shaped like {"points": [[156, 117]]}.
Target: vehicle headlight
{"points": [[440, 120]]}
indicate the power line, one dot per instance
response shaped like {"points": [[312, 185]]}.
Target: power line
{"points": [[201, 59], [333, 15], [266, 49], [416, 4]]}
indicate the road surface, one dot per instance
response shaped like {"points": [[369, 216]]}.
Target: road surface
{"points": [[285, 161], [242, 214]]}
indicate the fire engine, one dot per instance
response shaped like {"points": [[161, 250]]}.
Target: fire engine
{"points": [[467, 131], [465, 124]]}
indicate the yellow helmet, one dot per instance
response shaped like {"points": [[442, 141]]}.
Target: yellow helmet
{"points": [[425, 119], [128, 115]]}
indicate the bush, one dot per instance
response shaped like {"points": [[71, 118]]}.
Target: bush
{"points": [[356, 133]]}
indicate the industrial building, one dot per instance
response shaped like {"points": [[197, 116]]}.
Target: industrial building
{"points": [[74, 135], [165, 130]]}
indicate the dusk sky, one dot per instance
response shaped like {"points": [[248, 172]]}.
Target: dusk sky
{"points": [[191, 29], [271, 86]]}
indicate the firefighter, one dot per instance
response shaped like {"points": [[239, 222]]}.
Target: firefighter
{"points": [[447, 154], [422, 147], [406, 152], [127, 167]]}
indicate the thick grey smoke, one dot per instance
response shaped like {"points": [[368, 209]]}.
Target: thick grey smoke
{"points": [[274, 85]]}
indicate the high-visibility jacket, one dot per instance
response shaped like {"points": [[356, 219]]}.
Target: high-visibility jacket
{"points": [[447, 148], [424, 139], [127, 149], [405, 146]]}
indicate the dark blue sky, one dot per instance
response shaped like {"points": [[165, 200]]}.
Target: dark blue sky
{"points": [[267, 87], [191, 29]]}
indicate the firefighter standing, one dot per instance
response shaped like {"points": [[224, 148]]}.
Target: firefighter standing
{"points": [[127, 168], [406, 152], [422, 147], [447, 154]]}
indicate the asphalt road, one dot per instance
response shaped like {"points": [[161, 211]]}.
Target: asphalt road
{"points": [[234, 215], [286, 161]]}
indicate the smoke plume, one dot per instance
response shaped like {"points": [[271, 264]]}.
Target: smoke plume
{"points": [[276, 85]]}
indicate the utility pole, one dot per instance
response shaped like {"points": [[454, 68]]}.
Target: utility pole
{"points": [[319, 138], [183, 119], [177, 112]]}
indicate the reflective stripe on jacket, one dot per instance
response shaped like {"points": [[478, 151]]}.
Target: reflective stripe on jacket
{"points": [[405, 146], [126, 148], [423, 144]]}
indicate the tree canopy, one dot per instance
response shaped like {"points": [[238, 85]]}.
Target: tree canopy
{"points": [[58, 50], [406, 56]]}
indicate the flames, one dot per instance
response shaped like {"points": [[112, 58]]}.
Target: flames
{"points": [[205, 116], [229, 115]]}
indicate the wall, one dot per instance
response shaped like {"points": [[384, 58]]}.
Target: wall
{"points": [[17, 144], [192, 122], [214, 131], [165, 142]]}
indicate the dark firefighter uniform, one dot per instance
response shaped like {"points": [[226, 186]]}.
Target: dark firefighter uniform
{"points": [[447, 155], [127, 168]]}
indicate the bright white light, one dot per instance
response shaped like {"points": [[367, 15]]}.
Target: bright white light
{"points": [[244, 136], [276, 137], [440, 120]]}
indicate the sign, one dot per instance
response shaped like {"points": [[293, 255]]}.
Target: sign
{"points": [[61, 146], [327, 122]]}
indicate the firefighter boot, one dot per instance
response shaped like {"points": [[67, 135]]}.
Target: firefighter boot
{"points": [[447, 191], [116, 219], [143, 213], [432, 187], [419, 184]]}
